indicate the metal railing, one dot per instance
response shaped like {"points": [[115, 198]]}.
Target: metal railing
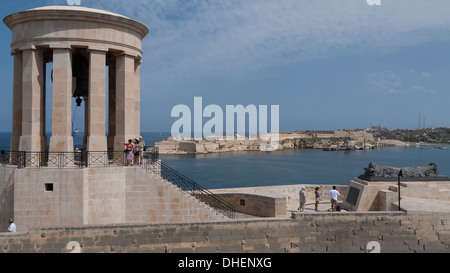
{"points": [[77, 159], [188, 185]]}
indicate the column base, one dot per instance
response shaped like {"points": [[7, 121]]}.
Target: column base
{"points": [[96, 144], [34, 147], [97, 148], [32, 143], [61, 152], [14, 144], [13, 149], [61, 144]]}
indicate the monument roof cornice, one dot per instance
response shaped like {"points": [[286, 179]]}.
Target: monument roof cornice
{"points": [[74, 13]]}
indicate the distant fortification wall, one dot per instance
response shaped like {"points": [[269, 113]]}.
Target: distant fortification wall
{"points": [[318, 232]]}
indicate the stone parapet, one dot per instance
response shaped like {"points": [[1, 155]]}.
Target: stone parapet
{"points": [[308, 233]]}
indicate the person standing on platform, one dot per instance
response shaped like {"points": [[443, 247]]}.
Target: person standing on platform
{"points": [[334, 196], [302, 199], [12, 226], [129, 152], [317, 196], [141, 149]]}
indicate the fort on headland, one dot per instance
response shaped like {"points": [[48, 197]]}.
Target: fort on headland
{"points": [[95, 200], [326, 140]]}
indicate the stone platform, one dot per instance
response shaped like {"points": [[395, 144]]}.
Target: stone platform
{"points": [[416, 197]]}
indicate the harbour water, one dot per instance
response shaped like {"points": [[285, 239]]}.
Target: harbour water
{"points": [[287, 167]]}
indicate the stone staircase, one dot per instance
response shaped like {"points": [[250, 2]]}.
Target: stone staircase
{"points": [[187, 187], [153, 199]]}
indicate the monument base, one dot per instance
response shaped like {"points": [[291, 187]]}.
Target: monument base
{"points": [[381, 195]]}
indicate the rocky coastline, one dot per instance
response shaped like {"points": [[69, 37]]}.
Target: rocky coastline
{"points": [[326, 140]]}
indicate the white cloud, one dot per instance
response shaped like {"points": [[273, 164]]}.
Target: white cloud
{"points": [[400, 82], [386, 81], [423, 89], [425, 74], [198, 37]]}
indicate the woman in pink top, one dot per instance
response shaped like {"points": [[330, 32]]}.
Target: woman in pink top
{"points": [[129, 152]]}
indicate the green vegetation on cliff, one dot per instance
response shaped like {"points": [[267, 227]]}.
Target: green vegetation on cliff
{"points": [[428, 135]]}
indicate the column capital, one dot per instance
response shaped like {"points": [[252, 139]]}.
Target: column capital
{"points": [[127, 54], [28, 47], [61, 46], [98, 48], [15, 52]]}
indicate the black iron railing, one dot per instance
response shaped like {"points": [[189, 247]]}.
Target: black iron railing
{"points": [[188, 185], [75, 159]]}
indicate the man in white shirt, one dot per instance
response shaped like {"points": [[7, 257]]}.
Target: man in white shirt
{"points": [[334, 195], [12, 226]]}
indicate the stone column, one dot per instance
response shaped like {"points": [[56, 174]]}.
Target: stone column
{"points": [[17, 103], [96, 139], [61, 139], [125, 101], [111, 103], [33, 89], [137, 98]]}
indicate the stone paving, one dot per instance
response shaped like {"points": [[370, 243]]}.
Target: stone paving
{"points": [[418, 204], [407, 203]]}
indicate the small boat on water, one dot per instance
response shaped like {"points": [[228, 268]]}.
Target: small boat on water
{"points": [[353, 148], [441, 147]]}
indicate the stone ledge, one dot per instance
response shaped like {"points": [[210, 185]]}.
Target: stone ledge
{"points": [[298, 215]]}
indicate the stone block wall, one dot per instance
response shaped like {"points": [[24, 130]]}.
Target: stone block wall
{"points": [[6, 196], [94, 196], [159, 201], [257, 205], [307, 233], [105, 196], [48, 197]]}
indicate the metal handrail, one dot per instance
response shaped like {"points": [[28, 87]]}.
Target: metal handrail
{"points": [[65, 160], [188, 185]]}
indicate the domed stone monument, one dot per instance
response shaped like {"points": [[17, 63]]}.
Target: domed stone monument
{"points": [[84, 45]]}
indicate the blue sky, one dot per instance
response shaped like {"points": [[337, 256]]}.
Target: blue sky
{"points": [[327, 64]]}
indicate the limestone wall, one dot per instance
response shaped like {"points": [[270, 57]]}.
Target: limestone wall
{"points": [[150, 199], [257, 205], [105, 195], [48, 197], [6, 196], [94, 196], [319, 232]]}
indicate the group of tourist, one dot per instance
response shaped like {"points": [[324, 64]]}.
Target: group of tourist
{"points": [[134, 150], [332, 193]]}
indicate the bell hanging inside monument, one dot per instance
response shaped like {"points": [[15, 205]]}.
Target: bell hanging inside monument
{"points": [[80, 74]]}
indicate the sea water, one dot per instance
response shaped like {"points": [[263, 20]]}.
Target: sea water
{"points": [[298, 166], [285, 167]]}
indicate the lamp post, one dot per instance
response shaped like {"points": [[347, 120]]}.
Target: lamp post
{"points": [[400, 174]]}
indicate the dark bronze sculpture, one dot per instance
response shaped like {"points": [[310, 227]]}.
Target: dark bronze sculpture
{"points": [[375, 170]]}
